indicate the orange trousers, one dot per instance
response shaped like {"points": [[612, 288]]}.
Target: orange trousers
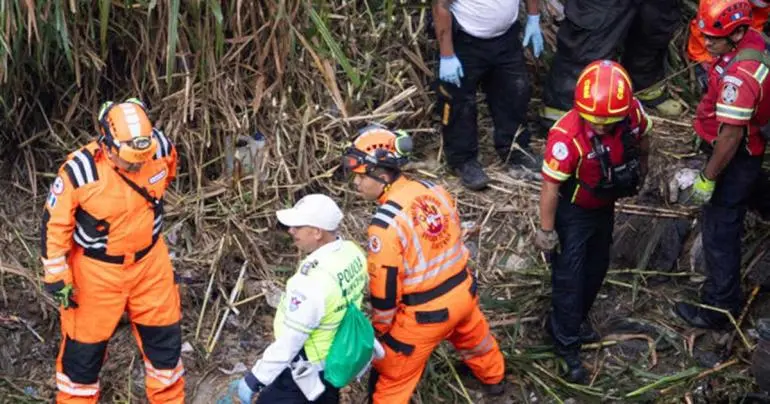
{"points": [[396, 375], [103, 292]]}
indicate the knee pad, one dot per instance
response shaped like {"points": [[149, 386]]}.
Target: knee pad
{"points": [[82, 361], [162, 345]]}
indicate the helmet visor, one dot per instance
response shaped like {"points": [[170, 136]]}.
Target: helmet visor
{"points": [[601, 120]]}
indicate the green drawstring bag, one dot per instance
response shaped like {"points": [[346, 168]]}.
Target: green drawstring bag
{"points": [[351, 349]]}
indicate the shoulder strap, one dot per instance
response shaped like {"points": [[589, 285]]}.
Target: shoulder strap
{"points": [[140, 190]]}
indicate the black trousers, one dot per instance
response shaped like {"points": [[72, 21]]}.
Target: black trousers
{"points": [[497, 64], [578, 270], [283, 390], [595, 29], [722, 229]]}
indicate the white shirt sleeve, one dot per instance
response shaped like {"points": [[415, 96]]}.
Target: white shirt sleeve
{"points": [[303, 306]]}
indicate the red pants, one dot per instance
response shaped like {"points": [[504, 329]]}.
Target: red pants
{"points": [[467, 329], [103, 291]]}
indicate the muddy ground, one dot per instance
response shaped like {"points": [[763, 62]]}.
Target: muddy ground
{"points": [[644, 342]]}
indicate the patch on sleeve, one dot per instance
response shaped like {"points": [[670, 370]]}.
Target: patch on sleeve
{"points": [[733, 80], [58, 186], [559, 151], [375, 244], [553, 164], [729, 93], [295, 300]]}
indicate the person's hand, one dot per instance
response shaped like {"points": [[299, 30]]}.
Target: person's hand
{"points": [[532, 31], [546, 240], [62, 294], [702, 189], [450, 69]]}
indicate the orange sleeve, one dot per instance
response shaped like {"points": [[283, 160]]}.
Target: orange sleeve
{"points": [[172, 163], [384, 266], [696, 44], [57, 227]]}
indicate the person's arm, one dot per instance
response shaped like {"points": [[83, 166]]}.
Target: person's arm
{"points": [[549, 200], [58, 226], [303, 308], [559, 163], [385, 260], [727, 144], [442, 21], [532, 7]]}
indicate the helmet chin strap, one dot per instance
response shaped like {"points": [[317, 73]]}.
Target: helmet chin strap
{"points": [[387, 184]]}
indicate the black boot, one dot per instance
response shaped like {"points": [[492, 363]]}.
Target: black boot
{"points": [[472, 175], [575, 372], [587, 333], [525, 159], [701, 318]]}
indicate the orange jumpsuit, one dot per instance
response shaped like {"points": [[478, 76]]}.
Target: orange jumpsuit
{"points": [[422, 292], [105, 238], [696, 45]]}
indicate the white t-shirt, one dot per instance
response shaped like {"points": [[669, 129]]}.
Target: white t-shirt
{"points": [[485, 18]]}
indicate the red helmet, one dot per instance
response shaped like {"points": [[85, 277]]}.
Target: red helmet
{"points": [[720, 18], [603, 92]]}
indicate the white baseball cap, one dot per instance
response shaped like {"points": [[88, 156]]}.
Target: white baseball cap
{"points": [[315, 210]]}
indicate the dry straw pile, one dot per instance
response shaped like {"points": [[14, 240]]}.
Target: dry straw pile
{"points": [[307, 75]]}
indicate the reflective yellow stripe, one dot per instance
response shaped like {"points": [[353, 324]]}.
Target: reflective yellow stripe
{"points": [[761, 74], [557, 175], [731, 112], [577, 170]]}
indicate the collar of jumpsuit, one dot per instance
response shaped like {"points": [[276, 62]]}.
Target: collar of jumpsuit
{"points": [[399, 183]]}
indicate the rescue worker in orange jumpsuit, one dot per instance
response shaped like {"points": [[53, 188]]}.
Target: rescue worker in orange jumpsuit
{"points": [[595, 154], [696, 43], [733, 120], [104, 254], [422, 291]]}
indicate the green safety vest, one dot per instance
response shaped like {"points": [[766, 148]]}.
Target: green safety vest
{"points": [[338, 274]]}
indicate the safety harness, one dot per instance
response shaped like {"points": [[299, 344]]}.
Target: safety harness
{"points": [[617, 181]]}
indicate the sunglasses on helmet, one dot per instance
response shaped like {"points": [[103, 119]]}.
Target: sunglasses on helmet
{"points": [[138, 143]]}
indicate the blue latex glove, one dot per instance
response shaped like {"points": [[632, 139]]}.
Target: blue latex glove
{"points": [[450, 70], [532, 31], [240, 388]]}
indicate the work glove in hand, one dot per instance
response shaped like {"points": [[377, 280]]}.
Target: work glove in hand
{"points": [[546, 240], [450, 70], [241, 388], [62, 294], [532, 31], [702, 189]]}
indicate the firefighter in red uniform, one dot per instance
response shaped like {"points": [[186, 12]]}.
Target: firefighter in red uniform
{"points": [[421, 289], [595, 154], [103, 254], [730, 120]]}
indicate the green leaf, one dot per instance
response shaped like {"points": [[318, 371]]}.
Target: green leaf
{"points": [[104, 20], [334, 48], [172, 39]]}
